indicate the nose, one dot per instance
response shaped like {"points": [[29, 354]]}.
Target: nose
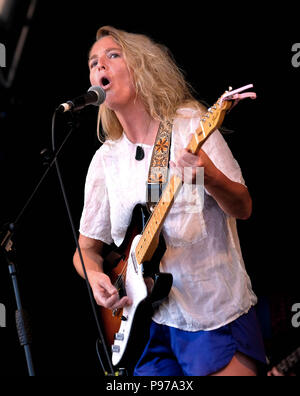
{"points": [[101, 67], [101, 64]]}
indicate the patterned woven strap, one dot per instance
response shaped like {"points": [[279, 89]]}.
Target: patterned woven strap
{"points": [[159, 166]]}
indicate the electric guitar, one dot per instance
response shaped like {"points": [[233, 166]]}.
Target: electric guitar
{"points": [[287, 364], [137, 273]]}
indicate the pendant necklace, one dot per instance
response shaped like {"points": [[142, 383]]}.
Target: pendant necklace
{"points": [[140, 153]]}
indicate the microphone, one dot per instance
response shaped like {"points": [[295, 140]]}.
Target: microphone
{"points": [[95, 96]]}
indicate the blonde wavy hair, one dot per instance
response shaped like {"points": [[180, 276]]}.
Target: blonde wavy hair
{"points": [[158, 81]]}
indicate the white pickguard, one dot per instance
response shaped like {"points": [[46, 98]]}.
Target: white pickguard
{"points": [[136, 290]]}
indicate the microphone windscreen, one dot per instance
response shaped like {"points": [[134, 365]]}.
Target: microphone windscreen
{"points": [[100, 93]]}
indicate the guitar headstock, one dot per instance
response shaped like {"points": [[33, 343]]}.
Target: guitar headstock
{"points": [[214, 117]]}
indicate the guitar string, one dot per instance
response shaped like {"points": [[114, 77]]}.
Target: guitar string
{"points": [[120, 278]]}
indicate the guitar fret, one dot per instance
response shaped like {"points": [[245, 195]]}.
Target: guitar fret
{"points": [[202, 127]]}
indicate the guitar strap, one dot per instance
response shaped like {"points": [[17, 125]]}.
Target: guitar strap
{"points": [[159, 165]]}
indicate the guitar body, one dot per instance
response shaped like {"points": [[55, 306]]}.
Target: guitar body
{"points": [[127, 330]]}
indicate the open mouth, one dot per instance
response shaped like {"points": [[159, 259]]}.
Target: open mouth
{"points": [[105, 82]]}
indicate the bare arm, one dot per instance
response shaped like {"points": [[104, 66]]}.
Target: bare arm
{"points": [[104, 292], [232, 197], [91, 250]]}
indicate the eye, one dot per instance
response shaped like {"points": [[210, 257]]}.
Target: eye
{"points": [[93, 64], [113, 55]]}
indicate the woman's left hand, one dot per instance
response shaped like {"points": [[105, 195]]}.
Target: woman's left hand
{"points": [[191, 161]]}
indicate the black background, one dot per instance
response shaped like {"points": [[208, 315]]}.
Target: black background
{"points": [[216, 48]]}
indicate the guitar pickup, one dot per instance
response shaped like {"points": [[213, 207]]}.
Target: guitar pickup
{"points": [[135, 265], [119, 336]]}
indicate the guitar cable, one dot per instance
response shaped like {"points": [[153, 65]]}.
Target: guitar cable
{"points": [[92, 302]]}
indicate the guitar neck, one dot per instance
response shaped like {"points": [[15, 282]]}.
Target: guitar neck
{"points": [[149, 240], [206, 127], [289, 362], [150, 237]]}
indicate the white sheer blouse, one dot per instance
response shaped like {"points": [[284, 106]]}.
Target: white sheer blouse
{"points": [[210, 284]]}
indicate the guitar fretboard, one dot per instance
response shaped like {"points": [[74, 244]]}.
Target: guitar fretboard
{"points": [[149, 239]]}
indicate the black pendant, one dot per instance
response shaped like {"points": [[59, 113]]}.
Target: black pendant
{"points": [[140, 154]]}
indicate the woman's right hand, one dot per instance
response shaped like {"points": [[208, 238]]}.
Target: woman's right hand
{"points": [[105, 294]]}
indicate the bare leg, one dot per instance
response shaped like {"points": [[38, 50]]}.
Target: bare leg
{"points": [[240, 366]]}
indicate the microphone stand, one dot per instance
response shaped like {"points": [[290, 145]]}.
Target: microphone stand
{"points": [[102, 342], [8, 251], [21, 316]]}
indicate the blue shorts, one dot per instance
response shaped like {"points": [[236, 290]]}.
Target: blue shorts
{"points": [[174, 352]]}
